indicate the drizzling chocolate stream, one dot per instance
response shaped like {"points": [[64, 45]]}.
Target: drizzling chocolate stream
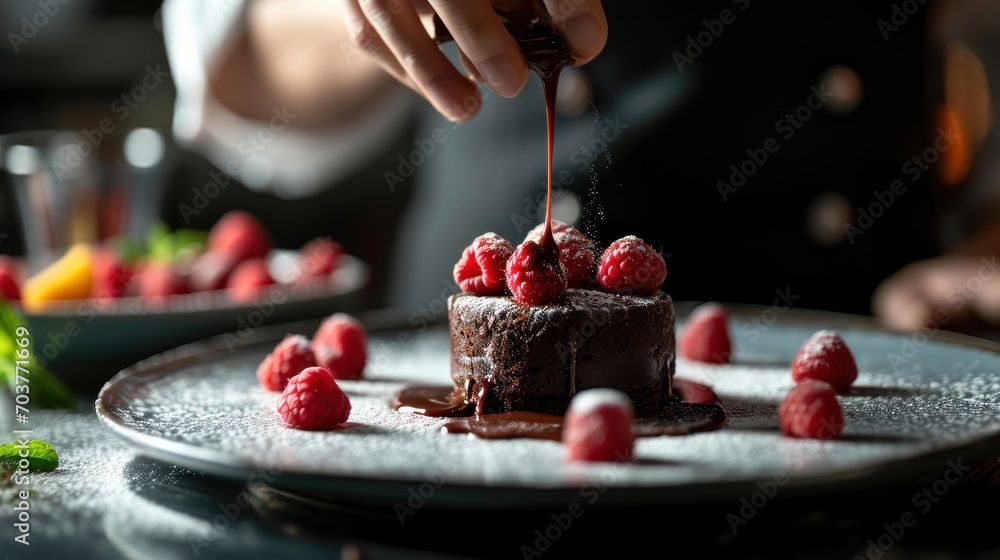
{"points": [[530, 25]]}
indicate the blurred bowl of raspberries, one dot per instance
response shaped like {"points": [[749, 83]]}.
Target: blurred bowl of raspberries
{"points": [[100, 307]]}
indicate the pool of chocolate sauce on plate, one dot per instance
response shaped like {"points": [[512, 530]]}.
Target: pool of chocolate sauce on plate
{"points": [[671, 419], [547, 55]]}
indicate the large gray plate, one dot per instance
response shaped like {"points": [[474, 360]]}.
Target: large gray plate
{"points": [[918, 403]]}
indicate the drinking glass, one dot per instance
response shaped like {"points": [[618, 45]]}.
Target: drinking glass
{"points": [[83, 186]]}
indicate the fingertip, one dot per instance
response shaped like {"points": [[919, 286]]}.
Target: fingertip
{"points": [[585, 36], [506, 74], [456, 98]]}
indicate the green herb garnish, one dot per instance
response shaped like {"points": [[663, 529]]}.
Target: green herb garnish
{"points": [[41, 456], [44, 388], [167, 246]]}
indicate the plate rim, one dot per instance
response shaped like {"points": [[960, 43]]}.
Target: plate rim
{"points": [[449, 496]]}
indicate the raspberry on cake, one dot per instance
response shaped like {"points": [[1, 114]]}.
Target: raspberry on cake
{"points": [[600, 426], [536, 348], [481, 269], [576, 252], [535, 275], [631, 266]]}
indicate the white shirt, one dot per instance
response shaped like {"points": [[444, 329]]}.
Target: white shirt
{"points": [[293, 162]]}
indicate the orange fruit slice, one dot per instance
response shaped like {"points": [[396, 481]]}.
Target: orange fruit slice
{"points": [[71, 277]]}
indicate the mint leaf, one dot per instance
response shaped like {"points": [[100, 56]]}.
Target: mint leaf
{"points": [[160, 243], [41, 455], [168, 246], [44, 388], [9, 322], [129, 249]]}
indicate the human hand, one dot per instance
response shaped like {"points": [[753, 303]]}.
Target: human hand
{"points": [[952, 292], [393, 32]]}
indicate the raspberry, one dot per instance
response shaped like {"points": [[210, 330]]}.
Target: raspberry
{"points": [[9, 289], [312, 400], [319, 258], [811, 410], [292, 355], [158, 282], [239, 235], [599, 426], [535, 275], [825, 356], [111, 274], [341, 345], [705, 337], [249, 281], [211, 271], [577, 252], [481, 268], [631, 266]]}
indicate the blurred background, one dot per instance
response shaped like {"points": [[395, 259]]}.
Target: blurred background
{"points": [[893, 73]]}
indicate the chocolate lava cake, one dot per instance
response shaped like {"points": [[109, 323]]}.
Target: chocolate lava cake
{"points": [[509, 357]]}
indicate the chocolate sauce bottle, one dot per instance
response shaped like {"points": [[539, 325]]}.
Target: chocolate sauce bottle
{"points": [[531, 25]]}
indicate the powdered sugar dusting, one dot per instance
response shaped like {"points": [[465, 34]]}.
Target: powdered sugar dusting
{"points": [[945, 396], [817, 344], [302, 344], [591, 399]]}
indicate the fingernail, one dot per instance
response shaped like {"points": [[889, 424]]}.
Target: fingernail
{"points": [[501, 74], [583, 35], [454, 97]]}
